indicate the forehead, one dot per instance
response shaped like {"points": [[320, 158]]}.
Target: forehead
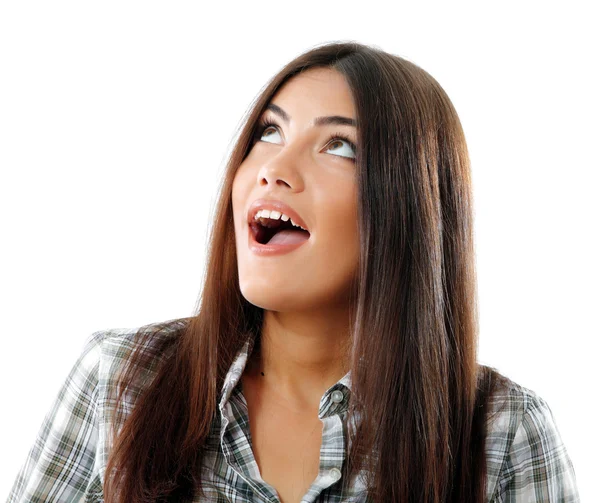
{"points": [[314, 92]]}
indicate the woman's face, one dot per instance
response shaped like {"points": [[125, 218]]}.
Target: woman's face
{"points": [[308, 168]]}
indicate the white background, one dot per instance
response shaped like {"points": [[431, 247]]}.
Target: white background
{"points": [[116, 119]]}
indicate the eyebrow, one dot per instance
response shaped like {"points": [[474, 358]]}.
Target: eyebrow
{"points": [[318, 121]]}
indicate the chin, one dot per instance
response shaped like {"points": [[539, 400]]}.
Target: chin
{"points": [[273, 299]]}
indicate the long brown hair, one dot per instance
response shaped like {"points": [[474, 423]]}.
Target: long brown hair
{"points": [[416, 384]]}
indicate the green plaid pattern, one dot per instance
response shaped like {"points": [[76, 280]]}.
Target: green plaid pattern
{"points": [[527, 460]]}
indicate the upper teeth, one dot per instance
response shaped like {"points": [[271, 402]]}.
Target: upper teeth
{"points": [[275, 215]]}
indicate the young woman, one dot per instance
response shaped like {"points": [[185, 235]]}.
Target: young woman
{"points": [[333, 354]]}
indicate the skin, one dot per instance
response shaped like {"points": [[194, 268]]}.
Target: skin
{"points": [[305, 293]]}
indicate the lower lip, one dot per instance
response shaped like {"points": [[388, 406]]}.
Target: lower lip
{"points": [[267, 249]]}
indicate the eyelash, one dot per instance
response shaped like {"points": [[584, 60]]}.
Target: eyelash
{"points": [[266, 123]]}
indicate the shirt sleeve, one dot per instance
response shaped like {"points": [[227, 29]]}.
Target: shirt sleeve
{"points": [[60, 462], [537, 467]]}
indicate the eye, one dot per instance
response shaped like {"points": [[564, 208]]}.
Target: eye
{"points": [[267, 131], [338, 140]]}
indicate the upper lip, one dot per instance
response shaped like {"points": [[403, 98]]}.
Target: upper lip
{"points": [[274, 204]]}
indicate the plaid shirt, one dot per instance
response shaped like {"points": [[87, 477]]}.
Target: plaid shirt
{"points": [[527, 460]]}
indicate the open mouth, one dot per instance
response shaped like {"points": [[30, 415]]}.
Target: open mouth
{"points": [[273, 232]]}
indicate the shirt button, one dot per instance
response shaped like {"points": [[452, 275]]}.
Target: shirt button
{"points": [[337, 396], [335, 474]]}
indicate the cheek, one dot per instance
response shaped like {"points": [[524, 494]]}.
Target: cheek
{"points": [[334, 261], [239, 189], [340, 215], [337, 241], [236, 184]]}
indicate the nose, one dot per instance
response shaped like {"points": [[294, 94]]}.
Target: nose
{"points": [[281, 170]]}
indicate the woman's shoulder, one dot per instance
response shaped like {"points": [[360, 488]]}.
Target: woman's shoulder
{"points": [[109, 353], [117, 345], [510, 400], [525, 451], [76, 425]]}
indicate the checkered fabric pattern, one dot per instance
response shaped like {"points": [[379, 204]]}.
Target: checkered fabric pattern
{"points": [[527, 460]]}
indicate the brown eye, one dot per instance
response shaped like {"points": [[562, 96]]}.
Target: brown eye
{"points": [[267, 130], [338, 143]]}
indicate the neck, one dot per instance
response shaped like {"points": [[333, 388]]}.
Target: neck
{"points": [[302, 355]]}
